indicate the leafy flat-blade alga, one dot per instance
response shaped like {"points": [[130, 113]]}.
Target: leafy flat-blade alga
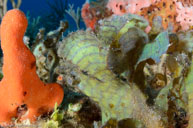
{"points": [[116, 98]]}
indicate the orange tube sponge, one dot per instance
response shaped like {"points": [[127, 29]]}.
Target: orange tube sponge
{"points": [[21, 88]]}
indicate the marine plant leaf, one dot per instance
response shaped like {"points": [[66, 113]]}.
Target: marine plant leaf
{"points": [[83, 49], [110, 27], [155, 49], [114, 96], [189, 90]]}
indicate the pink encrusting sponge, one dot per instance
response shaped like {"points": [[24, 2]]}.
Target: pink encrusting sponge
{"points": [[185, 15], [120, 7], [175, 12]]}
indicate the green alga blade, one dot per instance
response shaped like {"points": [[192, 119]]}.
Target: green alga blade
{"points": [[108, 28], [189, 90], [99, 83], [155, 49], [115, 97]]}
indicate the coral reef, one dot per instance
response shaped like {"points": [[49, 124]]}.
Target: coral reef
{"points": [[125, 70]]}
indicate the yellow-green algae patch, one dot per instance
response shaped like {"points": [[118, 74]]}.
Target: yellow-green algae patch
{"points": [[115, 97]]}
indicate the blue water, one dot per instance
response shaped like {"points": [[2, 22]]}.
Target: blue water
{"points": [[42, 8], [37, 6]]}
